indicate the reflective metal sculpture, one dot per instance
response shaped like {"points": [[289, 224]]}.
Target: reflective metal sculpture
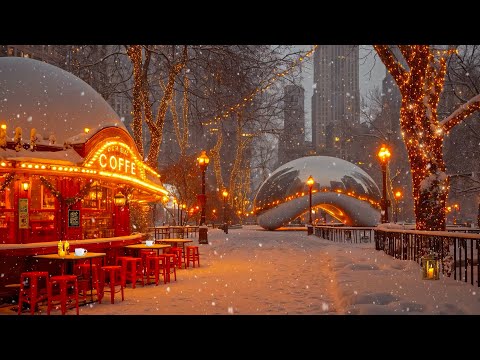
{"points": [[341, 188]]}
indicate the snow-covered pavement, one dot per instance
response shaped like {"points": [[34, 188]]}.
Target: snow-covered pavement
{"points": [[253, 271]]}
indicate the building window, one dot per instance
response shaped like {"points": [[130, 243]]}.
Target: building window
{"points": [[47, 199]]}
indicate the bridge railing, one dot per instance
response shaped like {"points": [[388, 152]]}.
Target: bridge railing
{"points": [[408, 244], [345, 234], [402, 244]]}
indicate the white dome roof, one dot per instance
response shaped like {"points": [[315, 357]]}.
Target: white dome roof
{"points": [[34, 94]]}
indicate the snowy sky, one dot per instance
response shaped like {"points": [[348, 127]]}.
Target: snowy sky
{"points": [[372, 72]]}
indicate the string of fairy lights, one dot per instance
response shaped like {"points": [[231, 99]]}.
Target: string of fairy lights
{"points": [[8, 179], [134, 52], [157, 127], [182, 135], [70, 200], [422, 132], [238, 110], [244, 102]]}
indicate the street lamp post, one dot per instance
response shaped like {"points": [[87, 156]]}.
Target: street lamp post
{"points": [[203, 161], [310, 182], [225, 223], [384, 155], [182, 216], [455, 214], [398, 195], [174, 210]]}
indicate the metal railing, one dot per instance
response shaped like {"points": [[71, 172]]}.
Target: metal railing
{"points": [[345, 234], [408, 245]]}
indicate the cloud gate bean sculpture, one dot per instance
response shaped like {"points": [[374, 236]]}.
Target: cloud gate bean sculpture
{"points": [[340, 188]]}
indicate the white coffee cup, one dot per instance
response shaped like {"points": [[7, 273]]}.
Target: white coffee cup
{"points": [[80, 251], [149, 242]]}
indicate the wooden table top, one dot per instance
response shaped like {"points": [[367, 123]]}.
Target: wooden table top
{"points": [[145, 246], [71, 256], [175, 240]]}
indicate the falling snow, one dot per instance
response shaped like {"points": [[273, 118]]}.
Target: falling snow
{"points": [[323, 278]]}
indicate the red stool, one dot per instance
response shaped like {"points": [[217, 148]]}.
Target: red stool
{"points": [[171, 262], [179, 253], [143, 254], [192, 255], [112, 276], [32, 289], [155, 265], [83, 271], [134, 271], [62, 283], [122, 261]]}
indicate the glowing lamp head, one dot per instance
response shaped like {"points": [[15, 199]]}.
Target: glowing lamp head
{"points": [[4, 126], [25, 185], [203, 159], [398, 194], [87, 130], [384, 154], [119, 199], [225, 194], [310, 181]]}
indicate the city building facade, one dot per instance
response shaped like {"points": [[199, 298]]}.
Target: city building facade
{"points": [[335, 99]]}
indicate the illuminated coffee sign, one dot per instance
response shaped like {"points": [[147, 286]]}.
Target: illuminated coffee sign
{"points": [[117, 159]]}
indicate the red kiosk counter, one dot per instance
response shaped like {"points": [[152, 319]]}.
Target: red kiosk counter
{"points": [[75, 175]]}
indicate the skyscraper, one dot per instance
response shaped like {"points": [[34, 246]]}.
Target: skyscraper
{"points": [[335, 99], [292, 141]]}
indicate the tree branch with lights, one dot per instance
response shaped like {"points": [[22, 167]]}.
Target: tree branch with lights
{"points": [[423, 133]]}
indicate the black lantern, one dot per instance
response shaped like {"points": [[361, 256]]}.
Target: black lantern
{"points": [[119, 199], [430, 267]]}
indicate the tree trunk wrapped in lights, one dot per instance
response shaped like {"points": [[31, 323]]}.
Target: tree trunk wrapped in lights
{"points": [[141, 100], [421, 84], [134, 52], [156, 128]]}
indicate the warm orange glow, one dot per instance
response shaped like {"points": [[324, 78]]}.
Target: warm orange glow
{"points": [[310, 181], [225, 193], [203, 159], [384, 153], [398, 194], [119, 199], [87, 130], [25, 185], [4, 126]]}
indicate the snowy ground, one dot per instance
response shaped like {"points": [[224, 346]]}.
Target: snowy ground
{"points": [[253, 271]]}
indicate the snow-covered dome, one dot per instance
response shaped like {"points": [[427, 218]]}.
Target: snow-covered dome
{"points": [[34, 94]]}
